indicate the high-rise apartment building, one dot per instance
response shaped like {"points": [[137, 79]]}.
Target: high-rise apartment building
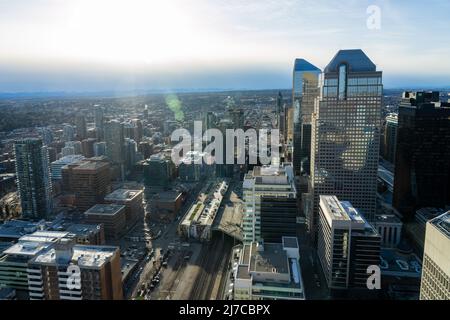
{"points": [[80, 122], [99, 120], [115, 141], [33, 178], [435, 283], [68, 132], [305, 89], [99, 149], [50, 275], [346, 135], [422, 162], [88, 180], [347, 244], [260, 188]]}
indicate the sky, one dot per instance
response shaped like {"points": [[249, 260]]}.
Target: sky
{"points": [[117, 45]]}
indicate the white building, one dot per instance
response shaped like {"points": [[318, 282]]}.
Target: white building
{"points": [[347, 244], [57, 165], [435, 284], [269, 271]]}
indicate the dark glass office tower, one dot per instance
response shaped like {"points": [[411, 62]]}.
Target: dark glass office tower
{"points": [[305, 89], [278, 218], [33, 178], [422, 162]]}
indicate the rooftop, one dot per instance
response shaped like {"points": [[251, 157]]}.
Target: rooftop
{"points": [[356, 59], [87, 256], [14, 229], [290, 242], [271, 259], [90, 165], [105, 209], [83, 229], [303, 65], [30, 245], [69, 159], [123, 194], [442, 223]]}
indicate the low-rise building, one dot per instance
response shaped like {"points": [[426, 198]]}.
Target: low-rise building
{"points": [[112, 216], [197, 223], [269, 271], [131, 199]]}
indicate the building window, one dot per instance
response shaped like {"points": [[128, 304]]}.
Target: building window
{"points": [[342, 82]]}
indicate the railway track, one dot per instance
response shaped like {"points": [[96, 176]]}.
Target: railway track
{"points": [[213, 259]]}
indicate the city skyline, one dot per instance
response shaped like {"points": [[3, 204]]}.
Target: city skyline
{"points": [[78, 46]]}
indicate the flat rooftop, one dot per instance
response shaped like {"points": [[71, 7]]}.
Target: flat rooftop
{"points": [[69, 159], [123, 195], [290, 242], [87, 256], [105, 209], [395, 263], [242, 272], [271, 259], [90, 165], [14, 229], [442, 223], [167, 196], [83, 229]]}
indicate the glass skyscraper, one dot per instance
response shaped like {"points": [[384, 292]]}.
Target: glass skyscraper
{"points": [[33, 178], [346, 135], [305, 89]]}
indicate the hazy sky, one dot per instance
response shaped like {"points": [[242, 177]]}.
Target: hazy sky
{"points": [[92, 45]]}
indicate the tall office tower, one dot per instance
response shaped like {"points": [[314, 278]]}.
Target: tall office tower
{"points": [[390, 137], [87, 147], [68, 132], [75, 145], [146, 149], [158, 171], [47, 135], [80, 122], [435, 282], [99, 119], [422, 162], [209, 120], [305, 89], [115, 141], [237, 116], [346, 135], [88, 180], [100, 276], [33, 178], [145, 112], [281, 115], [130, 153], [260, 188], [67, 151], [347, 245], [139, 130], [99, 149]]}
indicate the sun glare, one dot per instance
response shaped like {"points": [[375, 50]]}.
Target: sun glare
{"points": [[129, 32]]}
